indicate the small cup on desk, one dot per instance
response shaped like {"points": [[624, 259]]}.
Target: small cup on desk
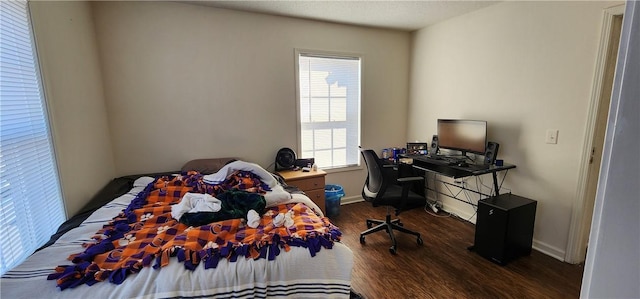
{"points": [[499, 162]]}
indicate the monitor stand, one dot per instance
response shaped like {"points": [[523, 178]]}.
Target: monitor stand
{"points": [[463, 156]]}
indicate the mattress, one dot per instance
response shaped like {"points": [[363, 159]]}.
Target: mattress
{"points": [[296, 273]]}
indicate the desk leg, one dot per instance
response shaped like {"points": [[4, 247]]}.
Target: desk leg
{"points": [[495, 183]]}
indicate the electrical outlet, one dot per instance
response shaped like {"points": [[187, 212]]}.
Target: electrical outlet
{"points": [[552, 136]]}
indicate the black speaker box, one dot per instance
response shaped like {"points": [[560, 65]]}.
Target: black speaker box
{"points": [[491, 152], [305, 162], [504, 227], [434, 145]]}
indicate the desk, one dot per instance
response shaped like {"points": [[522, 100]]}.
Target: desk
{"points": [[442, 167]]}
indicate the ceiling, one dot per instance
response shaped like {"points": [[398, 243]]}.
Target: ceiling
{"points": [[392, 14]]}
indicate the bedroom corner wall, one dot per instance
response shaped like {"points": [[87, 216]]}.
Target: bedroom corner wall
{"points": [[525, 67], [68, 55], [185, 81]]}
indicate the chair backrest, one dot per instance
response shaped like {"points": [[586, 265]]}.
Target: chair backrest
{"points": [[375, 184]]}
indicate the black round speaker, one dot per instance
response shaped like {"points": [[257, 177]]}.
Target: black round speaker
{"points": [[285, 159]]}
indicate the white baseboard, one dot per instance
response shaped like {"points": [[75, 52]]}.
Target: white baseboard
{"points": [[542, 247], [471, 217], [551, 251], [350, 199]]}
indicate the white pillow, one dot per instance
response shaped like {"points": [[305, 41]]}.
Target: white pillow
{"points": [[222, 174], [143, 181]]}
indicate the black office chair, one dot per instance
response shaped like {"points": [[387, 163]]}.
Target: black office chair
{"points": [[382, 189]]}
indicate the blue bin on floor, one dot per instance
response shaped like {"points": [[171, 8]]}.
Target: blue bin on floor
{"points": [[332, 196]]}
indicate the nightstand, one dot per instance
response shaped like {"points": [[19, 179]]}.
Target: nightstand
{"points": [[311, 182]]}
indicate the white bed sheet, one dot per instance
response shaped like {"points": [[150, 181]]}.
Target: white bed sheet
{"points": [[293, 274]]}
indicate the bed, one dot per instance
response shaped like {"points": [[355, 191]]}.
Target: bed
{"points": [[126, 244]]}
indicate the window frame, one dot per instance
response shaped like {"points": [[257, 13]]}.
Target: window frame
{"points": [[53, 198], [328, 54]]}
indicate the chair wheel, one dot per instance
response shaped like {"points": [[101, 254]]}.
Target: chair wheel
{"points": [[361, 239], [420, 241], [393, 250]]}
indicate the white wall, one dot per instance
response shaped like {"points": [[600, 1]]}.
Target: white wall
{"points": [[184, 81], [68, 54], [612, 268], [525, 67]]}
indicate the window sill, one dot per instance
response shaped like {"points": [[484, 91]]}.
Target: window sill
{"points": [[343, 169]]}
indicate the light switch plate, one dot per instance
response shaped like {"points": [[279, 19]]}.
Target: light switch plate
{"points": [[552, 136]]}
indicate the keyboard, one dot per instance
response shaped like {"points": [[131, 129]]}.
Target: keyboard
{"points": [[411, 156], [440, 160], [453, 160]]}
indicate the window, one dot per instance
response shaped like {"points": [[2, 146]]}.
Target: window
{"points": [[31, 206], [329, 108]]}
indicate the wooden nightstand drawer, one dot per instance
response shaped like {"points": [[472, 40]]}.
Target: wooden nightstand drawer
{"points": [[317, 196], [308, 184], [311, 182]]}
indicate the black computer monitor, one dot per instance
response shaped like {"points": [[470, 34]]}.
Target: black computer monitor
{"points": [[462, 135]]}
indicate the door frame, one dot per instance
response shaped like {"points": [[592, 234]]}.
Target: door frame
{"points": [[577, 242]]}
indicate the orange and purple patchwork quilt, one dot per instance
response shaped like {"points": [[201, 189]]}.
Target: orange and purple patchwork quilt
{"points": [[144, 234]]}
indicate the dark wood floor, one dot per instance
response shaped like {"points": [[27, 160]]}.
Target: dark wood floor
{"points": [[443, 267]]}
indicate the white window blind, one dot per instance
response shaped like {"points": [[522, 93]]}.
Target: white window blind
{"points": [[329, 107], [31, 206]]}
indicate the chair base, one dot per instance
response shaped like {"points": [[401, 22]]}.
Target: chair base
{"points": [[388, 225]]}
